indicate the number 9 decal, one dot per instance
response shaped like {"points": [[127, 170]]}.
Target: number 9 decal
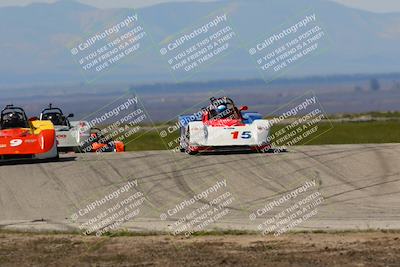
{"points": [[15, 142]]}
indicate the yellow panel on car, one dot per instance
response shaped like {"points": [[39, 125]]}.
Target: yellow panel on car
{"points": [[39, 126]]}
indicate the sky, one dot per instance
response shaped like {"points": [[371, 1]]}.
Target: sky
{"points": [[370, 5]]}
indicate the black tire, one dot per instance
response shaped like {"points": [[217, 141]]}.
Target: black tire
{"points": [[191, 152]]}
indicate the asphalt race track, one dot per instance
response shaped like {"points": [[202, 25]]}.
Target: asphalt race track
{"points": [[360, 185]]}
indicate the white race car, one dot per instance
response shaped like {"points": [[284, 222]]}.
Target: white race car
{"points": [[71, 135], [223, 127]]}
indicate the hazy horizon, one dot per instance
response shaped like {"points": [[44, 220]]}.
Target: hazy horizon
{"points": [[383, 6]]}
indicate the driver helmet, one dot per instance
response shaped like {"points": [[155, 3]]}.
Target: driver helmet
{"points": [[221, 108], [14, 116]]}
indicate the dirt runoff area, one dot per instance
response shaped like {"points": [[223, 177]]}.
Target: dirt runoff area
{"points": [[296, 249]]}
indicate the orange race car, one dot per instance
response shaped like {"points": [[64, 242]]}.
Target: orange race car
{"points": [[101, 143], [21, 138]]}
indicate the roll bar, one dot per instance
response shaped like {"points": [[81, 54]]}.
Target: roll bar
{"points": [[10, 108]]}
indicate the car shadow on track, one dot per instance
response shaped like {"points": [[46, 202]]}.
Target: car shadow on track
{"points": [[37, 161], [269, 151]]}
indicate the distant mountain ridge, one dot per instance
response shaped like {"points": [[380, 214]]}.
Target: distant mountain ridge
{"points": [[34, 38]]}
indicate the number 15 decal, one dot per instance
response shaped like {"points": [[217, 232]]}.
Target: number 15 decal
{"points": [[244, 135]]}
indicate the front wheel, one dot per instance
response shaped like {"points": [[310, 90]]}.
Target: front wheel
{"points": [[188, 149], [77, 149]]}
